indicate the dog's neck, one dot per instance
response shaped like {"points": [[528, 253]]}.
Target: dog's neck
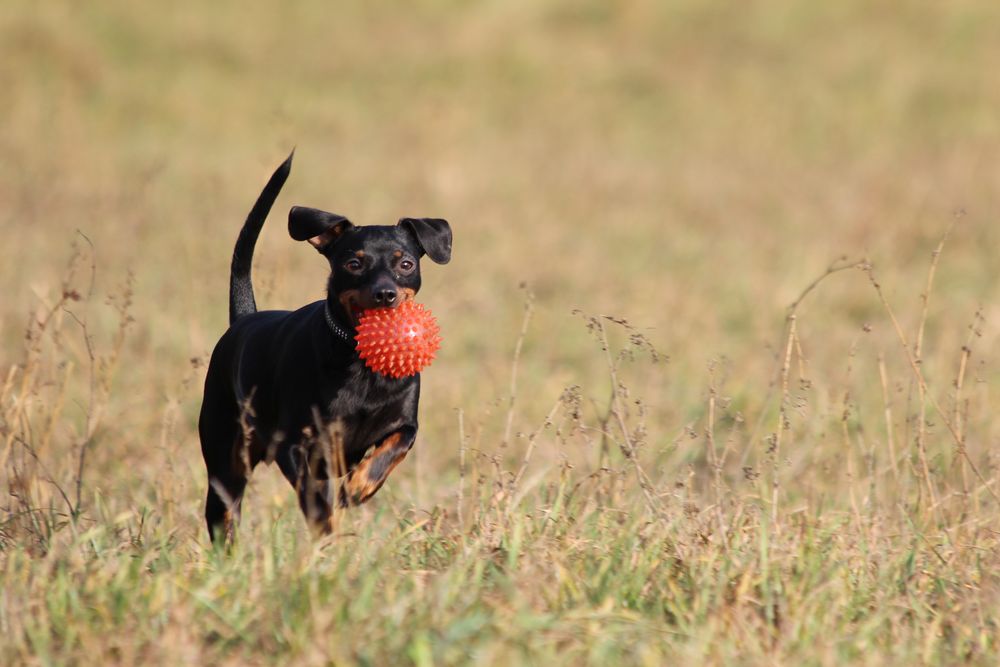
{"points": [[337, 330]]}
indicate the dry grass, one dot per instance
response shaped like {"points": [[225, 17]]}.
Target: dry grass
{"points": [[749, 460]]}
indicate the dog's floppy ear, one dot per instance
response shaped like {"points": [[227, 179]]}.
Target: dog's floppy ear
{"points": [[433, 235], [318, 227]]}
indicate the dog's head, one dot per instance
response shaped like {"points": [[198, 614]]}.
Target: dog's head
{"points": [[372, 266]]}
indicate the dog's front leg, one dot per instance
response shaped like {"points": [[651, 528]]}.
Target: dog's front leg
{"points": [[368, 476], [306, 469], [315, 499]]}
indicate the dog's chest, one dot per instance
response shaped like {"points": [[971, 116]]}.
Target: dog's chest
{"points": [[358, 393]]}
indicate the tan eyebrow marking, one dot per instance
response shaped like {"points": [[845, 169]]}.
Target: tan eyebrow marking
{"points": [[398, 253], [359, 254]]}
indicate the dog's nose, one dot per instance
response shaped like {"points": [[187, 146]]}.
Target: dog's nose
{"points": [[385, 297]]}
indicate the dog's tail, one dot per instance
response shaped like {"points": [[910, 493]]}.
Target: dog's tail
{"points": [[241, 300]]}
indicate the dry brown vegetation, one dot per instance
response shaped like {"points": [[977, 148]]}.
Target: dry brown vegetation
{"points": [[660, 428]]}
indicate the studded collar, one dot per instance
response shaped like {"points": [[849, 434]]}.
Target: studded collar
{"points": [[336, 329]]}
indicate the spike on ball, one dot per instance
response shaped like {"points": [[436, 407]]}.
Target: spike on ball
{"points": [[398, 342]]}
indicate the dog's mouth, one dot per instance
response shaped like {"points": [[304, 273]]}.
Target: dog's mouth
{"points": [[354, 305], [354, 312], [351, 305]]}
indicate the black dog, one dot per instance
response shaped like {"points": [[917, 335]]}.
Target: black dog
{"points": [[289, 387]]}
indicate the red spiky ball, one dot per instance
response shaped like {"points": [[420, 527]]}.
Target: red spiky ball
{"points": [[398, 341]]}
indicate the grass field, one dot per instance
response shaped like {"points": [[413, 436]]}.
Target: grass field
{"points": [[719, 382]]}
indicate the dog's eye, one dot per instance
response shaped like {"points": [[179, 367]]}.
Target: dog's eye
{"points": [[406, 265], [353, 265]]}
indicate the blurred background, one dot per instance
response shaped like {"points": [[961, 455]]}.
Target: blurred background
{"points": [[660, 179], [688, 166]]}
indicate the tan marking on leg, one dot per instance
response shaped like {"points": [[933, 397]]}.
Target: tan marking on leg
{"points": [[228, 527], [370, 474]]}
